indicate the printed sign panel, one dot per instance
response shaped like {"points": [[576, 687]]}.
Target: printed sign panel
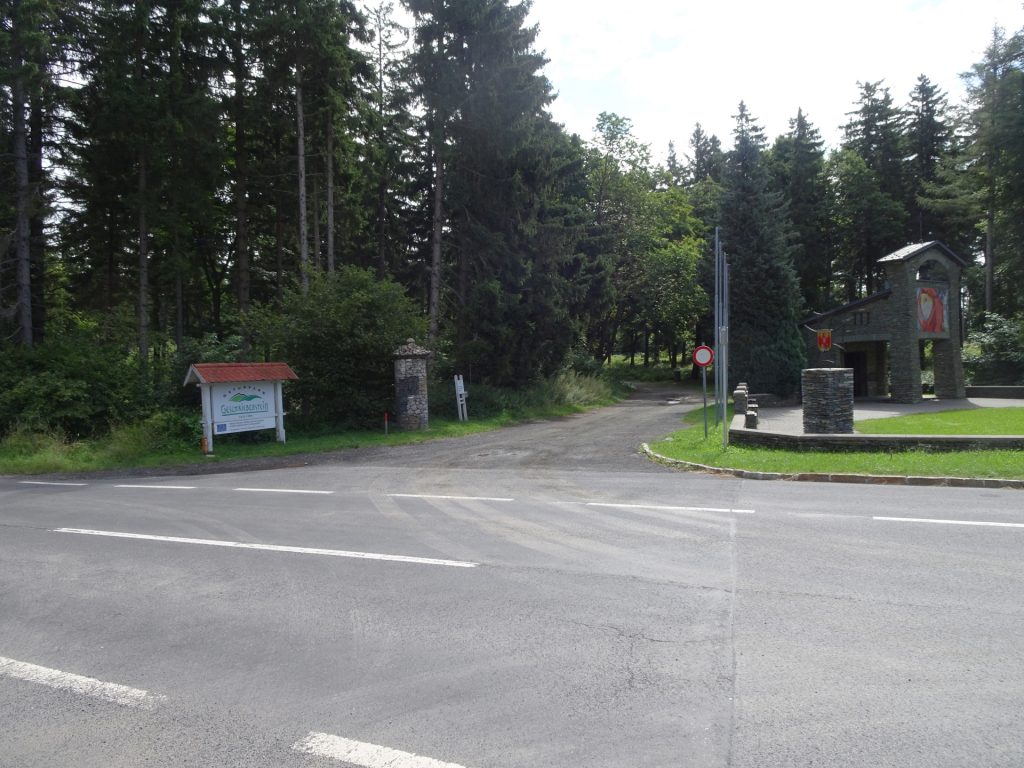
{"points": [[243, 407], [825, 340], [933, 309]]}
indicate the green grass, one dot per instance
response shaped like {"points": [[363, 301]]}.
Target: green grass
{"points": [[690, 445], [978, 421], [620, 369], [146, 446]]}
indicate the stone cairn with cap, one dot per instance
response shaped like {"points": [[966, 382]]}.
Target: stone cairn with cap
{"points": [[411, 410]]}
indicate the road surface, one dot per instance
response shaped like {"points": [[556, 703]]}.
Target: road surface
{"points": [[539, 596]]}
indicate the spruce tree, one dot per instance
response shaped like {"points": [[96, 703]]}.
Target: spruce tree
{"points": [[500, 166], [766, 350], [798, 161], [929, 138]]}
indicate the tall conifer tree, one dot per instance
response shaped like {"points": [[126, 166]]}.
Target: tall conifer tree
{"points": [[765, 346]]}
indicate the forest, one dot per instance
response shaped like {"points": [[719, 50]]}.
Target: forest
{"points": [[312, 181]]}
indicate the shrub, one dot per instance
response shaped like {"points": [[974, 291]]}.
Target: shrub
{"points": [[72, 385], [995, 354], [162, 432], [339, 338]]}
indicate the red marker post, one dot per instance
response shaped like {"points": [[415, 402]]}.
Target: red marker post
{"points": [[703, 356]]}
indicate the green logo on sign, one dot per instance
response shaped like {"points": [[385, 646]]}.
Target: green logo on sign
{"points": [[240, 398]]}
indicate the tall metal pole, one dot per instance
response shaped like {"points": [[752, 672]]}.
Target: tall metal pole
{"points": [[718, 294], [725, 352]]}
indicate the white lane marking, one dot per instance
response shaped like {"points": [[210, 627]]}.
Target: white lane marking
{"points": [[449, 498], [85, 686], [272, 547], [161, 487], [947, 522], [40, 482], [282, 490], [672, 509], [364, 754]]}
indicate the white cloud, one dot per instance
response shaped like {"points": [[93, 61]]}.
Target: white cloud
{"points": [[667, 64]]}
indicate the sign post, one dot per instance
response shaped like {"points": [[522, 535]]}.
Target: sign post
{"points": [[703, 357], [460, 398]]}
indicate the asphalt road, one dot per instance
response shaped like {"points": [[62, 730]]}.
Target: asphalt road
{"points": [[539, 596]]}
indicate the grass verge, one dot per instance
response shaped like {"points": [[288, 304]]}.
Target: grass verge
{"points": [[145, 446], [976, 421], [690, 445]]}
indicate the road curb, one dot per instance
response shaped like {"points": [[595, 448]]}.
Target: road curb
{"points": [[821, 477]]}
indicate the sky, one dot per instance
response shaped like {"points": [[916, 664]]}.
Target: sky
{"points": [[668, 64]]}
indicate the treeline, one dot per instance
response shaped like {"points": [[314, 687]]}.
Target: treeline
{"points": [[178, 173]]}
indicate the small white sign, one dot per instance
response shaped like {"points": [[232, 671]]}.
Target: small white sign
{"points": [[460, 399]]}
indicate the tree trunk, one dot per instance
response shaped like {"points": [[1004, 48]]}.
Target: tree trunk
{"points": [[330, 194], [243, 278], [143, 249], [279, 250], [23, 257], [438, 230], [301, 148], [990, 226], [317, 250], [179, 308], [36, 230]]}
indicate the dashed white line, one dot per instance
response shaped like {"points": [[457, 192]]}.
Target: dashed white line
{"points": [[672, 509], [364, 754], [40, 482], [283, 490], [273, 548], [161, 487], [85, 686], [947, 522], [447, 498]]}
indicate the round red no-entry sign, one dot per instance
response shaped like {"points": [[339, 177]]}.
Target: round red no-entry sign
{"points": [[702, 356]]}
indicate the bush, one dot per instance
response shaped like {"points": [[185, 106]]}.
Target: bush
{"points": [[72, 385], [995, 354], [484, 401], [339, 337], [162, 432]]}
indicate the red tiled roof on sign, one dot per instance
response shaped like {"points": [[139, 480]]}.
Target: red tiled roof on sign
{"points": [[224, 373]]}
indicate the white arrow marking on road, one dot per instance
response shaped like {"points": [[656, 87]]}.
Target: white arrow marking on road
{"points": [[272, 548], [449, 498], [363, 754], [85, 686], [282, 490], [947, 522], [672, 509]]}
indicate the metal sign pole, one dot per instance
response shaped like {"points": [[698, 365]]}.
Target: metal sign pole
{"points": [[704, 377], [725, 352], [718, 294]]}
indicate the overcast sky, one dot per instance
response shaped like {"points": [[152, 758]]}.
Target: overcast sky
{"points": [[668, 64]]}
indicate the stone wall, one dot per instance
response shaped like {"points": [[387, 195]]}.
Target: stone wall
{"points": [[856, 442]]}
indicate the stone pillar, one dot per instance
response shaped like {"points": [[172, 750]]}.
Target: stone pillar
{"points": [[828, 401], [947, 361], [739, 399], [411, 411], [904, 350], [949, 370]]}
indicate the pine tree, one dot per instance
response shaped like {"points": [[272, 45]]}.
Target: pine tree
{"points": [[928, 139], [766, 350], [499, 168], [798, 161]]}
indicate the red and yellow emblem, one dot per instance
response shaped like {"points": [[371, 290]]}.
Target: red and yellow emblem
{"points": [[825, 340]]}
